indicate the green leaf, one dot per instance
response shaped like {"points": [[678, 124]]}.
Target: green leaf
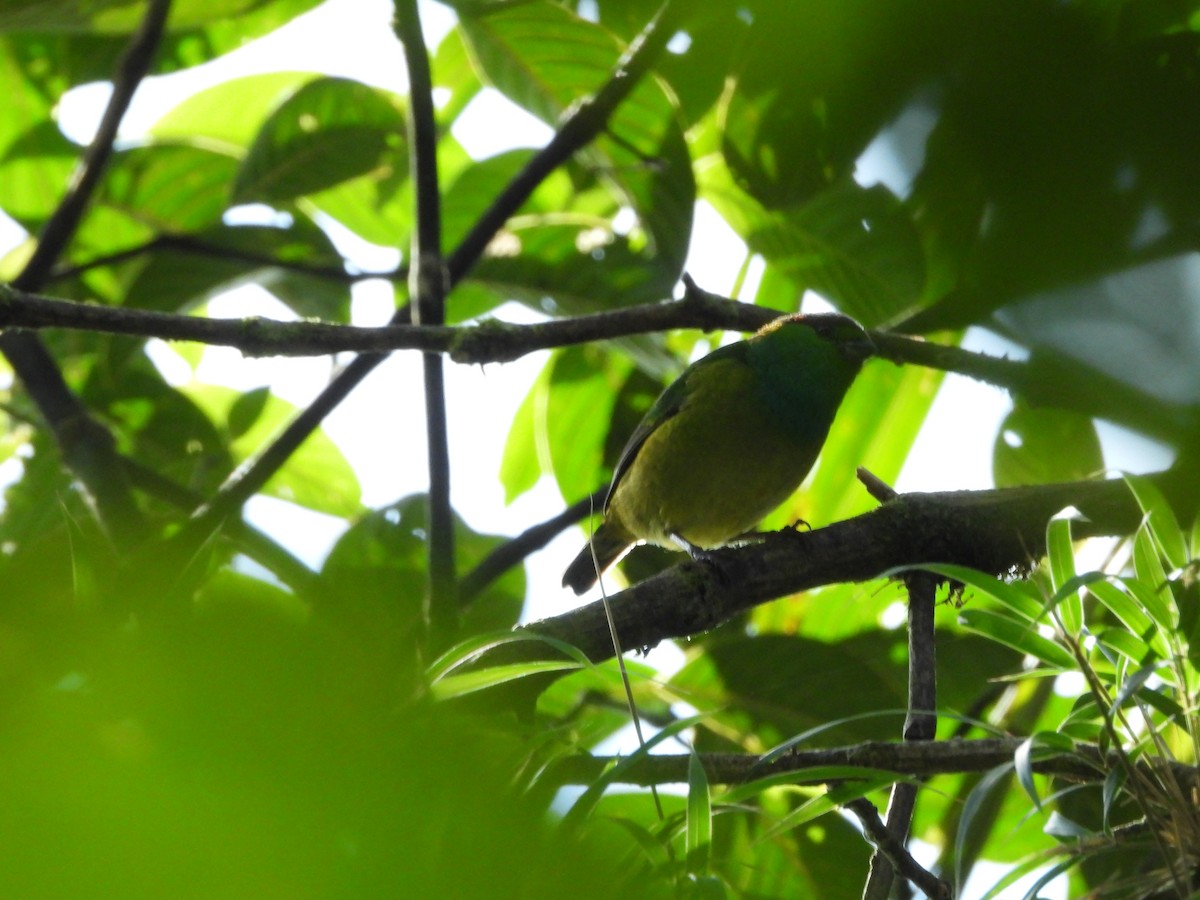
{"points": [[1150, 586], [34, 167], [545, 58], [1161, 520], [119, 16], [230, 114], [975, 803], [876, 426], [855, 246], [316, 476], [471, 649], [699, 818], [828, 802], [1019, 636], [327, 132], [1041, 446], [451, 686], [1060, 552], [169, 188]]}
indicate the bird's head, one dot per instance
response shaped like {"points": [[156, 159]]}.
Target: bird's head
{"points": [[849, 337]]}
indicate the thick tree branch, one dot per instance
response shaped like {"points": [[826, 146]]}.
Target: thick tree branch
{"points": [[995, 531]]}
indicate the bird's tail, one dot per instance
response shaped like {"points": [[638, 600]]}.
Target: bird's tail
{"points": [[583, 571]]}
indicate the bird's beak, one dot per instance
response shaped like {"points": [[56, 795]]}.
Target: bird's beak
{"points": [[860, 348]]}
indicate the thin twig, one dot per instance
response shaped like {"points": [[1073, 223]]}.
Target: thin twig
{"points": [[427, 288], [529, 541], [1072, 385], [1086, 764], [893, 850]]}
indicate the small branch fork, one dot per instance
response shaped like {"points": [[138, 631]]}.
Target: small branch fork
{"points": [[891, 855]]}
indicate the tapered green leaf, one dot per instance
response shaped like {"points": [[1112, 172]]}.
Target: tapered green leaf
{"points": [[1060, 552], [1161, 519], [1014, 634], [699, 818]]}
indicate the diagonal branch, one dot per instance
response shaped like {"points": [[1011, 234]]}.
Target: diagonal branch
{"points": [[994, 531], [87, 447]]}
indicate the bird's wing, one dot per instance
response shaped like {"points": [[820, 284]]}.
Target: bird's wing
{"points": [[668, 404]]}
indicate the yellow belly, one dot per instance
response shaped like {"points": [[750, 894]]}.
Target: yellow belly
{"points": [[712, 471]]}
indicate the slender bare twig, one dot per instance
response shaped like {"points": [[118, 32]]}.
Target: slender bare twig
{"points": [[427, 287], [529, 541], [194, 246], [1069, 386], [892, 848]]}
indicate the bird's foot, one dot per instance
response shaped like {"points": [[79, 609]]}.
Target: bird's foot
{"points": [[788, 533]]}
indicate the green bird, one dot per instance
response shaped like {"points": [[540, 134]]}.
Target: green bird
{"points": [[728, 441]]}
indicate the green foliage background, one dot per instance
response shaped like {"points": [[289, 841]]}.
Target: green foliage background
{"points": [[202, 726]]}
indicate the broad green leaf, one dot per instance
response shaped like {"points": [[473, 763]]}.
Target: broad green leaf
{"points": [[1161, 519], [316, 476], [1021, 637], [561, 426], [1023, 764], [855, 246], [380, 566], [229, 114], [192, 270], [461, 684], [469, 650], [34, 170], [1126, 644], [975, 802], [826, 803], [169, 188], [118, 16], [521, 464], [790, 130], [1152, 587], [876, 426], [587, 802], [1130, 614], [1040, 446], [329, 131]]}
